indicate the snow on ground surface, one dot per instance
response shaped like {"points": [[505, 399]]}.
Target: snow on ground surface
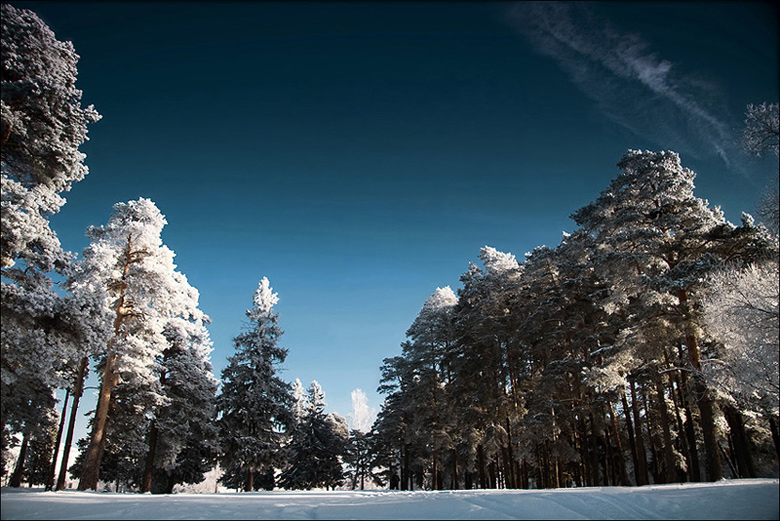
{"points": [[733, 499]]}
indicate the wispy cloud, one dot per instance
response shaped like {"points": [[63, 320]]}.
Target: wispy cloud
{"points": [[630, 84]]}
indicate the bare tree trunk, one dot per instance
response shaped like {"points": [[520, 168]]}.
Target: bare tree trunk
{"points": [[741, 442], [705, 402], [50, 478], [249, 481], [78, 390], [455, 484], [655, 467], [690, 434], [620, 460], [594, 453], [481, 467], [631, 439], [682, 439], [146, 484], [16, 477], [406, 478], [435, 471], [668, 451], [641, 454], [775, 435]]}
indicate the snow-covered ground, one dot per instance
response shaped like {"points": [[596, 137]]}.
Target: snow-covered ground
{"points": [[733, 499]]}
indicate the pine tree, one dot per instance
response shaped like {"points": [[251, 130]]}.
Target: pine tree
{"points": [[42, 125], [131, 273], [183, 436], [254, 404], [658, 242]]}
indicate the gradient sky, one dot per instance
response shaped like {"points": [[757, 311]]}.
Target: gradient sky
{"points": [[360, 154]]}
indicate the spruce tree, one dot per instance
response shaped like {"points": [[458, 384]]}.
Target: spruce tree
{"points": [[254, 406]]}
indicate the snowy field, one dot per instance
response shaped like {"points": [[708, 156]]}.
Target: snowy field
{"points": [[734, 499]]}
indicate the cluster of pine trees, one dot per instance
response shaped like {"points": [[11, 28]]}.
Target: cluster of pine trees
{"points": [[592, 363], [124, 308]]}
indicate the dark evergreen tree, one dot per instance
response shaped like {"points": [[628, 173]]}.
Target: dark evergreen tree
{"points": [[254, 406], [318, 441]]}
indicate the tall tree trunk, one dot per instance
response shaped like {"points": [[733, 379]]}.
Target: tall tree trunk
{"points": [[712, 463], [146, 484], [705, 402], [249, 480], [741, 441], [690, 434], [455, 484], [78, 390], [91, 470], [641, 454], [620, 460], [481, 467], [16, 477], [668, 449], [406, 478], [511, 475], [170, 483], [50, 477], [594, 453], [94, 454], [655, 465], [435, 471], [631, 438], [775, 435], [681, 438]]}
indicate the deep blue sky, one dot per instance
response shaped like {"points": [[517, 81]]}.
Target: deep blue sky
{"points": [[360, 154]]}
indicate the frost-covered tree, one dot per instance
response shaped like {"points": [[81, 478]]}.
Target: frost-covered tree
{"points": [[657, 243], [318, 441], [131, 273], [362, 415], [254, 406], [42, 125], [741, 311], [183, 437], [762, 132], [762, 129]]}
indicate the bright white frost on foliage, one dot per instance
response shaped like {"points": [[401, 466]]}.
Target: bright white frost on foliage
{"points": [[741, 310], [42, 124], [264, 300], [301, 403], [433, 319], [42, 117], [496, 262], [362, 417], [131, 273], [762, 129]]}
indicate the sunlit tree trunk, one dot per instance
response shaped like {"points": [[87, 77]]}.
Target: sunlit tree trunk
{"points": [[78, 390], [50, 478]]}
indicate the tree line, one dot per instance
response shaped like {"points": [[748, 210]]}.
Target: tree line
{"points": [[641, 349]]}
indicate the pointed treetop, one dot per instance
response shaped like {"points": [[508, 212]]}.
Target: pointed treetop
{"points": [[264, 300]]}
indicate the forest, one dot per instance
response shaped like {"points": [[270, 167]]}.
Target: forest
{"points": [[642, 349]]}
